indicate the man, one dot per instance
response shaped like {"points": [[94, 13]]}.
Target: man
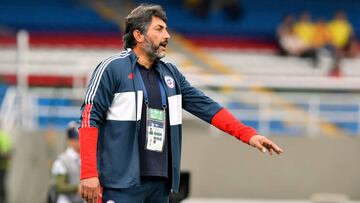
{"points": [[304, 28], [66, 168], [130, 135], [341, 30], [342, 40]]}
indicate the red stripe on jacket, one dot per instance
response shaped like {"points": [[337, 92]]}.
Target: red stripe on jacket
{"points": [[86, 116]]}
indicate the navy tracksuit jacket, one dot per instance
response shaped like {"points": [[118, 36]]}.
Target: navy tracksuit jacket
{"points": [[113, 104]]}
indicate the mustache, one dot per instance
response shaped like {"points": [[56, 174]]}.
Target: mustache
{"points": [[164, 43]]}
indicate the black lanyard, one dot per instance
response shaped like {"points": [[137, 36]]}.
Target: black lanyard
{"points": [[146, 98]]}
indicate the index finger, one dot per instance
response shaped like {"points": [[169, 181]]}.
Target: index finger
{"points": [[276, 148]]}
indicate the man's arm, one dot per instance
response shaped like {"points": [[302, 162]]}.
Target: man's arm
{"points": [[98, 98], [226, 122], [200, 105]]}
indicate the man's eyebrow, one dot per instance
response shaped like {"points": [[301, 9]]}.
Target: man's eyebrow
{"points": [[161, 26]]}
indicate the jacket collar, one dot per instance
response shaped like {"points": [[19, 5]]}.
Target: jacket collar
{"points": [[133, 57]]}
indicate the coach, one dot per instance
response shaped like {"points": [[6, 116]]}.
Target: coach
{"points": [[130, 135]]}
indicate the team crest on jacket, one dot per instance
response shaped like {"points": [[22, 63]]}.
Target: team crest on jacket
{"points": [[170, 82]]}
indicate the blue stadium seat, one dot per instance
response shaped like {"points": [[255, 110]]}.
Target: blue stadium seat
{"points": [[260, 18], [53, 16]]}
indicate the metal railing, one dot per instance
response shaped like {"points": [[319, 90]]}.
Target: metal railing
{"points": [[306, 117]]}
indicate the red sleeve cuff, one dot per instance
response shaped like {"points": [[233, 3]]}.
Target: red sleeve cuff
{"points": [[88, 147], [226, 122]]}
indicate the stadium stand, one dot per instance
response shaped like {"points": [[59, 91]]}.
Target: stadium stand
{"points": [[57, 23], [54, 15], [93, 37], [257, 26]]}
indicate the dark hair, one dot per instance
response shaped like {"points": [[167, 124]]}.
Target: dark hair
{"points": [[140, 19], [72, 130]]}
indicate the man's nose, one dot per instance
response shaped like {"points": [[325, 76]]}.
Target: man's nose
{"points": [[167, 35]]}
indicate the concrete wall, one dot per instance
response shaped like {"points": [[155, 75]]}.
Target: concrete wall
{"points": [[223, 167], [29, 174]]}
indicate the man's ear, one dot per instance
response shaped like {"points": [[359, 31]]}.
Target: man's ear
{"points": [[138, 36]]}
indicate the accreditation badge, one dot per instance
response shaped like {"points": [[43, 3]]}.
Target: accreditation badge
{"points": [[155, 129]]}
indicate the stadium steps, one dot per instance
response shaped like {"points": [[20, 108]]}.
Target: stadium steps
{"points": [[176, 54]]}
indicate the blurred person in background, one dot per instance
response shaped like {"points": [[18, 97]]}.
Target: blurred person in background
{"points": [[290, 44], [343, 41], [286, 25], [283, 30], [322, 36], [342, 35], [130, 134], [66, 168], [304, 28], [322, 41], [5, 155]]}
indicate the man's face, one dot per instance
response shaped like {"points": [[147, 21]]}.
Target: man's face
{"points": [[75, 144], [156, 39]]}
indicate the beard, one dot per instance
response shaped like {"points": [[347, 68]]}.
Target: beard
{"points": [[153, 50]]}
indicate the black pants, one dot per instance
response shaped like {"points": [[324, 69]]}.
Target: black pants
{"points": [[150, 191]]}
